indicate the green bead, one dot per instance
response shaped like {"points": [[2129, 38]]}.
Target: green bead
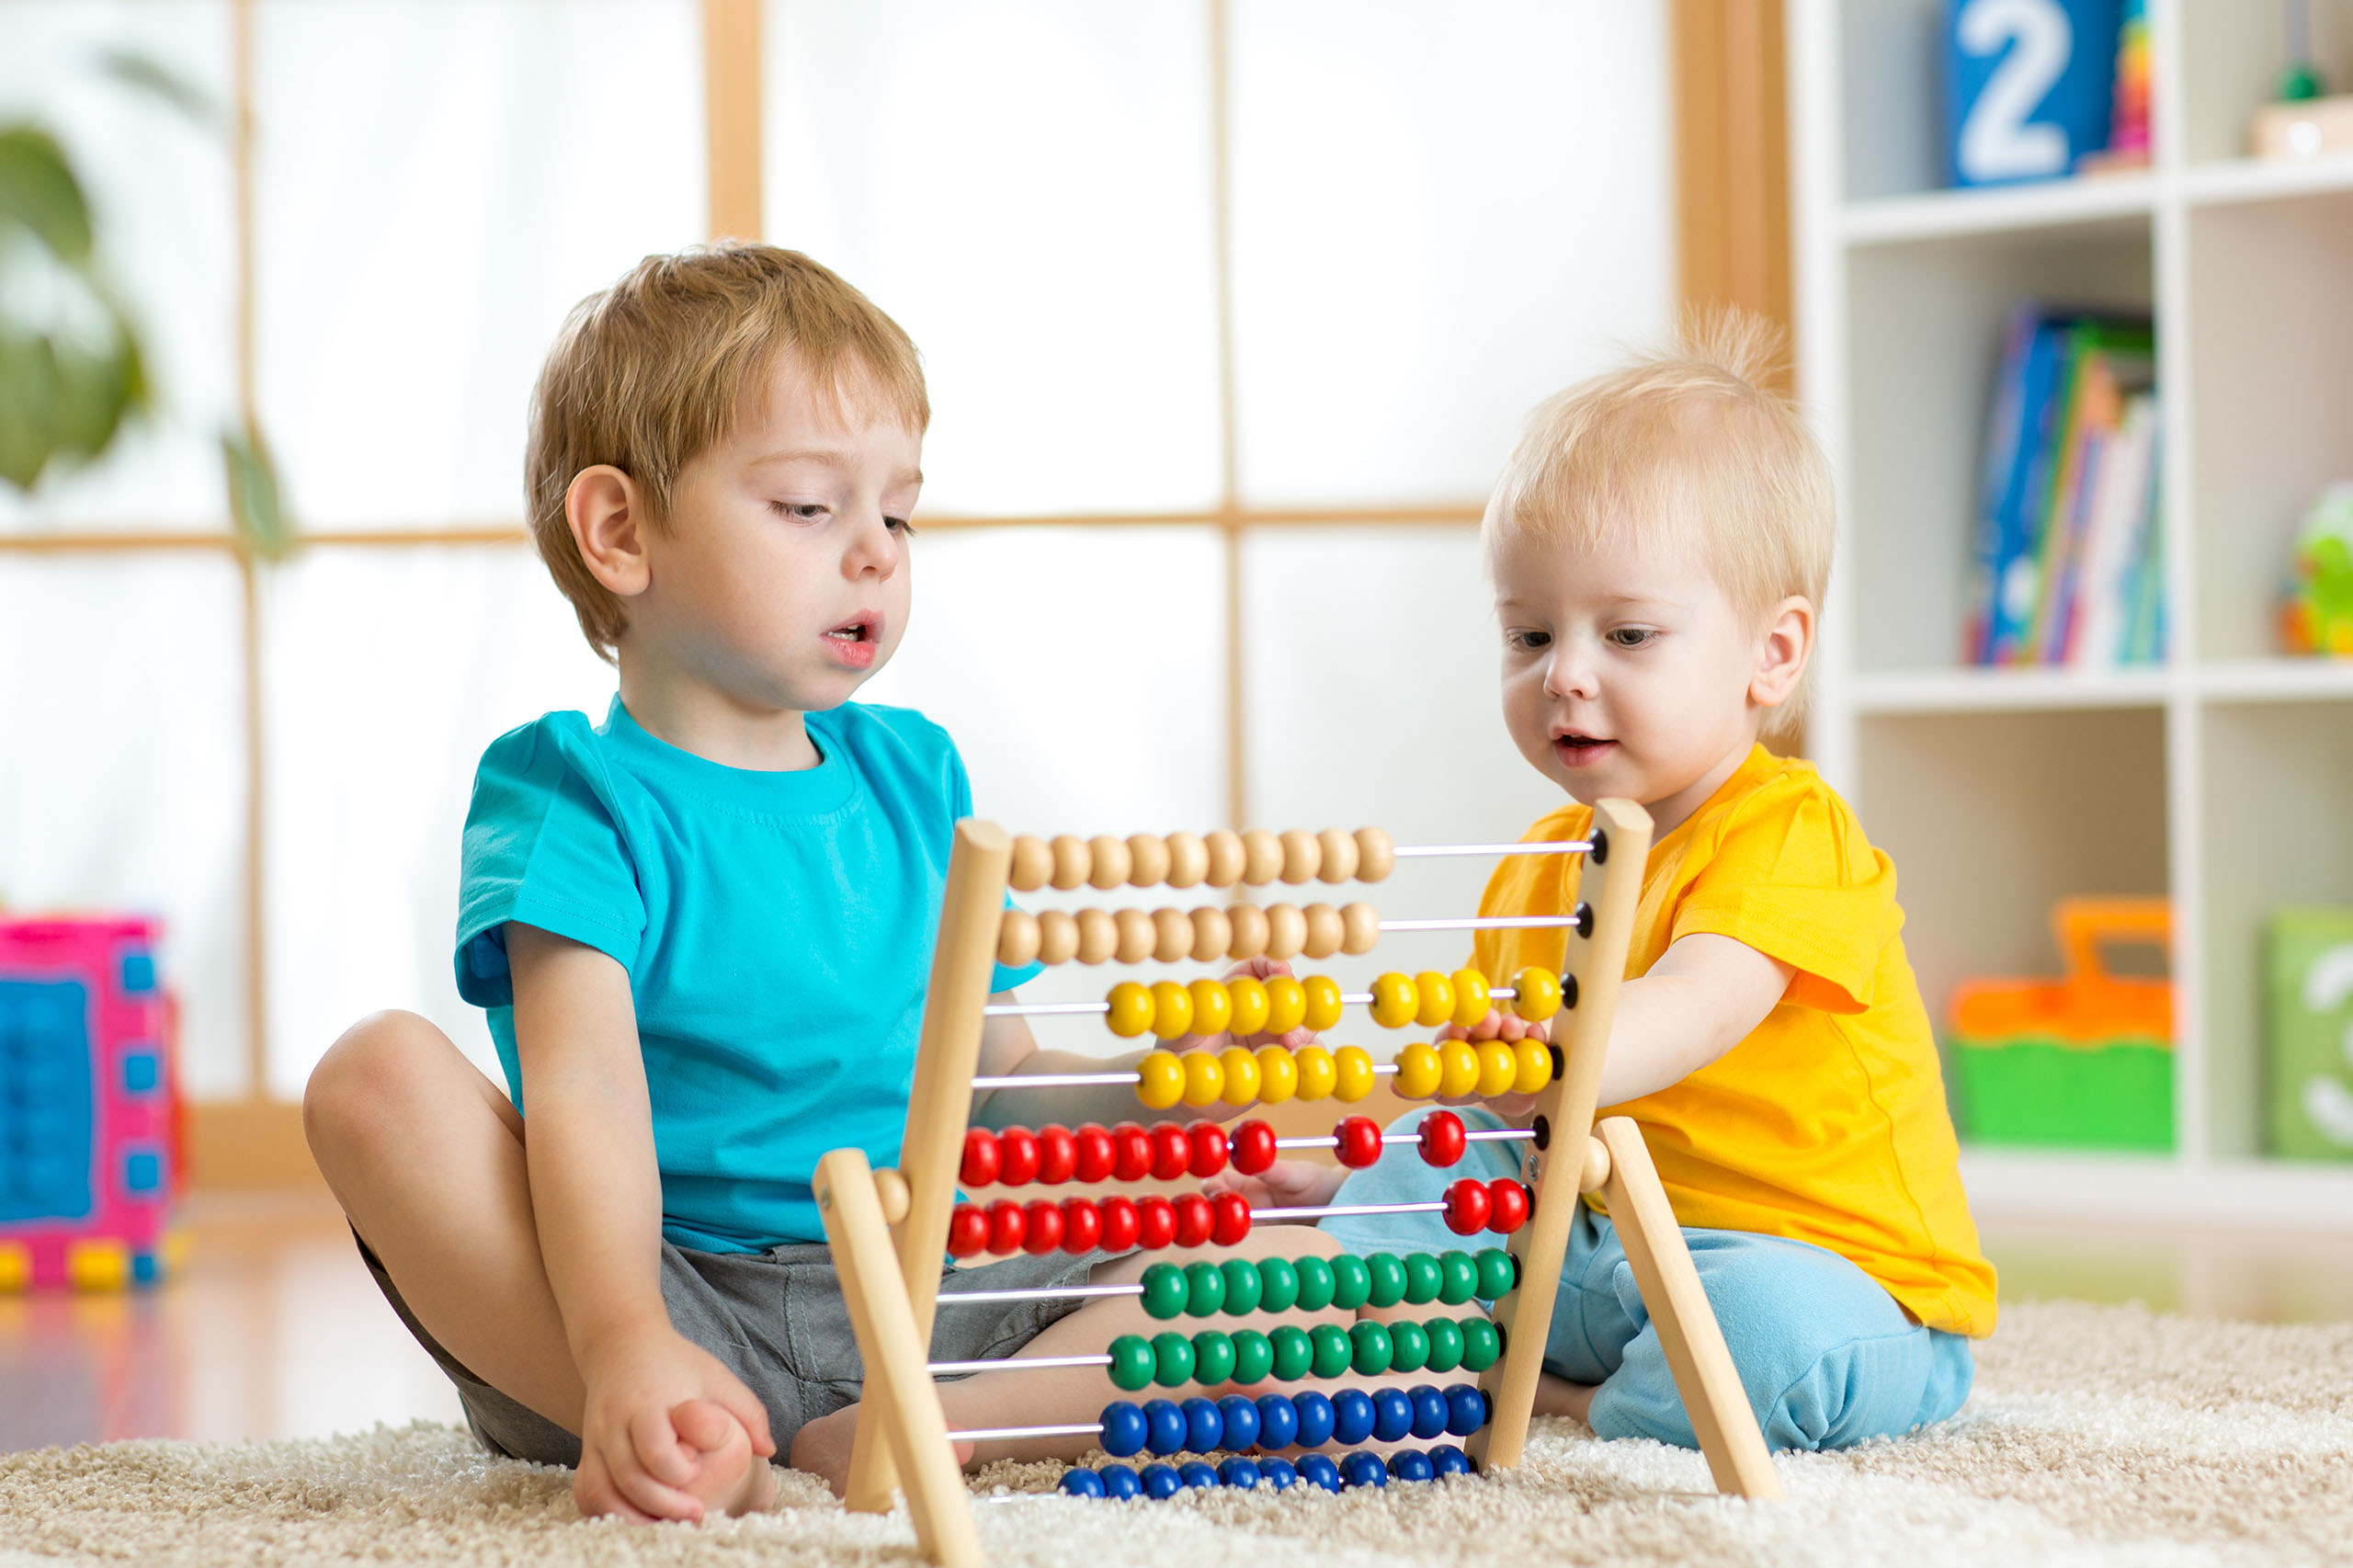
{"points": [[1351, 1282], [1497, 1274], [1409, 1347], [1374, 1346], [1458, 1279], [1212, 1356], [1163, 1289], [1294, 1352], [1243, 1287], [1204, 1288], [1133, 1361], [1481, 1344], [1253, 1357], [1388, 1277], [1334, 1350], [1172, 1356], [1317, 1284], [1445, 1344], [1423, 1278], [1277, 1285]]}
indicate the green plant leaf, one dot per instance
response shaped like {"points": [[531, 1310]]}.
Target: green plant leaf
{"points": [[95, 391], [28, 395], [38, 190], [160, 81], [253, 494]]}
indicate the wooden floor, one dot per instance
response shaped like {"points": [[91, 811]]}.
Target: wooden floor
{"points": [[275, 1330]]}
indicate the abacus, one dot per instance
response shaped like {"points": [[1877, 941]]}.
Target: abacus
{"points": [[888, 1228]]}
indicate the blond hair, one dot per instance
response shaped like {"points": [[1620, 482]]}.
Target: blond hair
{"points": [[653, 373], [1687, 445]]}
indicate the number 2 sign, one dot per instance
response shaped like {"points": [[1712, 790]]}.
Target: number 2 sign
{"points": [[2028, 85]]}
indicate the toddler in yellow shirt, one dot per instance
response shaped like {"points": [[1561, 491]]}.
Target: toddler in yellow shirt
{"points": [[1660, 543]]}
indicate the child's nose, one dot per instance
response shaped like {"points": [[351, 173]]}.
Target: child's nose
{"points": [[1568, 675], [875, 552]]}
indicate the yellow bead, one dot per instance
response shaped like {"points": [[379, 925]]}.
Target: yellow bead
{"points": [[1249, 999], [1470, 1000], [1241, 1071], [1285, 1005], [1535, 1066], [1131, 1009], [1498, 1068], [1204, 1078], [1437, 999], [1172, 1009], [1417, 1072], [1537, 994], [1277, 1075], [1394, 1001], [1160, 1080], [1212, 1006], [1323, 1002], [1316, 1072], [1457, 1068], [1352, 1067]]}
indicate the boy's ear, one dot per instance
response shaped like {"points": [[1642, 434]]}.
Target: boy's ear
{"points": [[1781, 662], [607, 515]]}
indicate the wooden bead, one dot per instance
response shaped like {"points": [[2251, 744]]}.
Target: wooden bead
{"points": [[1212, 934], [1302, 856], [1147, 860], [1057, 937], [1137, 936], [1286, 931], [1324, 931], [1340, 856], [1376, 855], [1098, 936], [1226, 859], [1249, 923], [1071, 861], [1360, 929], [1189, 860], [1017, 938], [891, 1189], [1262, 857], [1596, 1174], [1173, 935], [1112, 862], [1033, 862]]}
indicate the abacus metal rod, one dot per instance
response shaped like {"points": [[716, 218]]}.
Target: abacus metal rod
{"points": [[1013, 1363], [988, 1434], [1541, 846], [1042, 1293], [1470, 1135], [1064, 1009], [1092, 1080], [1329, 1211]]}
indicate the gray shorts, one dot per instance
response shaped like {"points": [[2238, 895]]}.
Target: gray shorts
{"points": [[777, 1320]]}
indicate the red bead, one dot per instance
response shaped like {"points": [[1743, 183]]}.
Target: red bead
{"points": [[1094, 1152], [1172, 1151], [980, 1164], [1155, 1221], [968, 1231], [1468, 1204], [1253, 1147], [1082, 1225], [1229, 1219], [1008, 1225], [1045, 1227], [1130, 1152], [1057, 1154], [1195, 1221], [1358, 1139], [1209, 1148], [1509, 1202], [1122, 1224], [1442, 1140], [1016, 1156]]}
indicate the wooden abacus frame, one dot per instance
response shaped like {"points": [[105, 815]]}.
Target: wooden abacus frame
{"points": [[888, 1228]]}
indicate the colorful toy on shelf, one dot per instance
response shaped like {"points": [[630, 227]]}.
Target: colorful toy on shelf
{"points": [[2029, 86], [2317, 616], [2085, 1062], [888, 1228], [2308, 1033], [89, 1107]]}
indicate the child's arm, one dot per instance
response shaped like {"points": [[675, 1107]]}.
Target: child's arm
{"points": [[1702, 998], [597, 1205], [1008, 1049]]}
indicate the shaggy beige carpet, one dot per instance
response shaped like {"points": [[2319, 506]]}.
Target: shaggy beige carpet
{"points": [[2098, 1434]]}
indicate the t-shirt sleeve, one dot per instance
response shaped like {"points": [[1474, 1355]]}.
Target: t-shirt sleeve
{"points": [[541, 847], [960, 806], [1794, 878]]}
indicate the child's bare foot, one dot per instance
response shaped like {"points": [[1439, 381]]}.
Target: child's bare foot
{"points": [[729, 1478], [1558, 1396], [823, 1447]]}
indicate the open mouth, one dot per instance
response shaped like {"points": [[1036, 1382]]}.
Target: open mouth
{"points": [[1579, 750], [853, 641]]}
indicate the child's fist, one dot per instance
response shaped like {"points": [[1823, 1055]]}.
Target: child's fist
{"points": [[1512, 1028]]}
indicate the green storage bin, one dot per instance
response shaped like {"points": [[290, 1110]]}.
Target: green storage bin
{"points": [[2043, 1093], [2308, 1033]]}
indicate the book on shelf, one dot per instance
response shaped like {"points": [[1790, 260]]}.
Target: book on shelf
{"points": [[2067, 563]]}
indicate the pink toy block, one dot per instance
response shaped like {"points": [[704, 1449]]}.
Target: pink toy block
{"points": [[89, 1104]]}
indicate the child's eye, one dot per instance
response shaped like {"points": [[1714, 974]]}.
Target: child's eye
{"points": [[1631, 636], [1527, 641], [900, 526], [801, 511]]}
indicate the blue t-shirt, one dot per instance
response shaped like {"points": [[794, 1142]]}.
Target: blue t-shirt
{"points": [[777, 929]]}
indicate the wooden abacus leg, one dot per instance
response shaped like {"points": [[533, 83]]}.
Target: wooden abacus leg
{"points": [[899, 1391], [1687, 1330]]}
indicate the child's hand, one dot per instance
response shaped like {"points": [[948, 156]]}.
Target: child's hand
{"points": [[1257, 969], [669, 1434], [1497, 1024], [1286, 1184]]}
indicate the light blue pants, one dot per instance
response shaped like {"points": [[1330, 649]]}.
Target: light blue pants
{"points": [[1826, 1355]]}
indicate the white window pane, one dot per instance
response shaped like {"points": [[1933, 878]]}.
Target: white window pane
{"points": [[1024, 184], [388, 672], [158, 184], [1440, 216], [439, 184], [122, 780]]}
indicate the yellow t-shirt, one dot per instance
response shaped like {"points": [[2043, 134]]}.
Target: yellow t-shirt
{"points": [[1827, 1124]]}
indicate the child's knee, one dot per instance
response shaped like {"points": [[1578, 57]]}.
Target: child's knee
{"points": [[377, 1075]]}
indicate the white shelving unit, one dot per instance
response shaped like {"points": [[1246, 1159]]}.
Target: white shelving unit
{"points": [[2223, 777]]}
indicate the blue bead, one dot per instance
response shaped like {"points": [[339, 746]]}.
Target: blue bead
{"points": [[1241, 1418], [1195, 1473], [1317, 1470], [1362, 1469], [1466, 1409], [1204, 1427], [1411, 1464], [1124, 1429], [1239, 1473], [1082, 1483], [1448, 1459], [1392, 1414], [1352, 1416], [1279, 1474], [1120, 1482], [1278, 1421], [1431, 1412], [1315, 1420], [1164, 1427], [1161, 1482]]}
